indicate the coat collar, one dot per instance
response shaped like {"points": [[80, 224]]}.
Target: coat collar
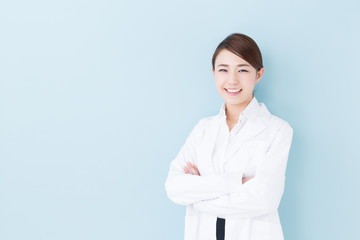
{"points": [[250, 111], [256, 114]]}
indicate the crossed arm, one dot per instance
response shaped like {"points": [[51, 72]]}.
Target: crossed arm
{"points": [[192, 169], [230, 193]]}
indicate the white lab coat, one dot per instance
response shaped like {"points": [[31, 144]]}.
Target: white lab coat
{"points": [[250, 209]]}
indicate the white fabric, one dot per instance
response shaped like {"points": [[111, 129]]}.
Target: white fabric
{"points": [[258, 145]]}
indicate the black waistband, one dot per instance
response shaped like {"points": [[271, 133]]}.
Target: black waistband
{"points": [[220, 229]]}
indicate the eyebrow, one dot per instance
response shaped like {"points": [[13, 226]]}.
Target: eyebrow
{"points": [[239, 65]]}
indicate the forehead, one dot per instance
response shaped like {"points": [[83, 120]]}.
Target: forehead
{"points": [[229, 58]]}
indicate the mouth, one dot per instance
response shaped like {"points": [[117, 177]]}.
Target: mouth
{"points": [[233, 91]]}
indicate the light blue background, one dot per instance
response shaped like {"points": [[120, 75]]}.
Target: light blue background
{"points": [[97, 97]]}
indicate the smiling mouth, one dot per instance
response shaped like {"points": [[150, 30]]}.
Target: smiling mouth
{"points": [[233, 90]]}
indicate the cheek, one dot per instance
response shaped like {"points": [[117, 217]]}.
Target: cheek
{"points": [[218, 87], [219, 83], [249, 82]]}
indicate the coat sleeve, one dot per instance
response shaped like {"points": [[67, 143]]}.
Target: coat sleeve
{"points": [[261, 194], [187, 189]]}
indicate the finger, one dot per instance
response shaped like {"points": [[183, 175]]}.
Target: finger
{"points": [[191, 168], [196, 170], [244, 180], [187, 169]]}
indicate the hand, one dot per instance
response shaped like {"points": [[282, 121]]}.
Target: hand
{"points": [[191, 169], [244, 180]]}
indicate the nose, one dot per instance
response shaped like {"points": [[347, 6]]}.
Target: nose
{"points": [[234, 78]]}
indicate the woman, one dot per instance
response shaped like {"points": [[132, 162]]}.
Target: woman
{"points": [[230, 173]]}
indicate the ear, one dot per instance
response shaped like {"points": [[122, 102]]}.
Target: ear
{"points": [[212, 69], [259, 74]]}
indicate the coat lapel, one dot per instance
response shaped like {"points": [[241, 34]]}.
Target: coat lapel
{"points": [[207, 147], [250, 129]]}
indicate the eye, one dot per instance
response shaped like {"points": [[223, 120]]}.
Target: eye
{"points": [[221, 70], [242, 70]]}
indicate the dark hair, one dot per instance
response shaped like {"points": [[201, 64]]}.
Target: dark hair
{"points": [[243, 46]]}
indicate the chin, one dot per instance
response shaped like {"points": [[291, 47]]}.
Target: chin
{"points": [[234, 102], [237, 101]]}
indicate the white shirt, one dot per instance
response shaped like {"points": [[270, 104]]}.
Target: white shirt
{"points": [[225, 137], [257, 146]]}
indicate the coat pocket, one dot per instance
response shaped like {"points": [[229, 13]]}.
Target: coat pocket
{"points": [[191, 227], [263, 230]]}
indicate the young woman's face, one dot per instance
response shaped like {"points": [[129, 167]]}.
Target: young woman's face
{"points": [[235, 78]]}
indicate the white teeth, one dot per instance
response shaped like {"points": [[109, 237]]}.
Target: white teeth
{"points": [[233, 90]]}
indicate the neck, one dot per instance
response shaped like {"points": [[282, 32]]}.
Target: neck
{"points": [[233, 111]]}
